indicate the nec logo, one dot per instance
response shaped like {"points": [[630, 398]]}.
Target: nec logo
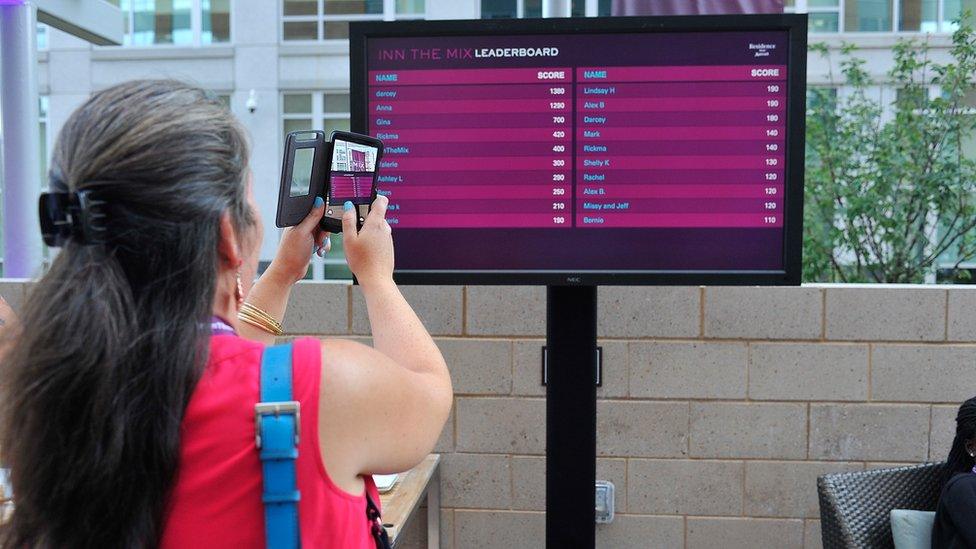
{"points": [[574, 279]]}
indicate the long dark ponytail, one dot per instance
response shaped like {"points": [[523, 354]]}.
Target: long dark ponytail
{"points": [[959, 460], [113, 337]]}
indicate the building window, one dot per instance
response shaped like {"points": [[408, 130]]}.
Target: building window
{"points": [[867, 16], [952, 10], [326, 111], [315, 20], [43, 105], [517, 9], [42, 34], [175, 22], [214, 21], [828, 16]]}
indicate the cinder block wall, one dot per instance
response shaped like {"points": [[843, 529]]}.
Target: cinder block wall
{"points": [[719, 406]]}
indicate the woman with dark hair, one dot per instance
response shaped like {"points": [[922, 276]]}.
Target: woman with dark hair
{"points": [[955, 516], [127, 394]]}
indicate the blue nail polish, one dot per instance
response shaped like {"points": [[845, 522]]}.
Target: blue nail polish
{"points": [[347, 206], [327, 243], [318, 202]]}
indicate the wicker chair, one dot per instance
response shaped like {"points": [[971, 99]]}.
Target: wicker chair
{"points": [[855, 507]]}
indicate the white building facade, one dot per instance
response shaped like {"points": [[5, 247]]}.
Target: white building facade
{"points": [[289, 59]]}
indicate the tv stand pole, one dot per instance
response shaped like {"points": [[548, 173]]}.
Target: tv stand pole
{"points": [[571, 416]]}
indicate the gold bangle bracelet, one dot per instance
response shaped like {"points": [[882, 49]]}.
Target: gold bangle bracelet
{"points": [[272, 326], [260, 325], [259, 319], [257, 313]]}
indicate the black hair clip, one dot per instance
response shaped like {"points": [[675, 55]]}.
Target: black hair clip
{"points": [[74, 215]]}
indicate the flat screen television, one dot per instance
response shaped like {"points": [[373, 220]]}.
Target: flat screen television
{"points": [[624, 150]]}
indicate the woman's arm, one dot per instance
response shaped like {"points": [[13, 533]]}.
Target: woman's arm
{"points": [[270, 292], [381, 409]]}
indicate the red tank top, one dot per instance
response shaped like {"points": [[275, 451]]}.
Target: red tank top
{"points": [[216, 501]]}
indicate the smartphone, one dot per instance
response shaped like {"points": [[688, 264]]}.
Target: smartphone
{"points": [[341, 169], [352, 177], [303, 172]]}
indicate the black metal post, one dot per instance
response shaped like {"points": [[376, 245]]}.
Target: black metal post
{"points": [[570, 416]]}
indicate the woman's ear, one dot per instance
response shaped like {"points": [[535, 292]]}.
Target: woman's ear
{"points": [[228, 248]]}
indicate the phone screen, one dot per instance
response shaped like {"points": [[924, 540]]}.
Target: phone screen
{"points": [[353, 168], [301, 172]]}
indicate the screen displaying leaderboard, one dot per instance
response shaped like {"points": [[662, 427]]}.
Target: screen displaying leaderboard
{"points": [[619, 150]]}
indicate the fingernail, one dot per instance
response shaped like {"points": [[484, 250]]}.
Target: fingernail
{"points": [[327, 245], [321, 252], [347, 205], [318, 202]]}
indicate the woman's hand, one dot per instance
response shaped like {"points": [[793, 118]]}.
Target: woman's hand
{"points": [[369, 251], [298, 243]]}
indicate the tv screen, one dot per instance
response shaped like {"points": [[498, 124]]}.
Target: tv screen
{"points": [[665, 150]]}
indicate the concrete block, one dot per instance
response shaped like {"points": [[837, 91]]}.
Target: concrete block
{"points": [[763, 312], [438, 307], [684, 487], [787, 488], [962, 303], [654, 311], [641, 531], [616, 369], [885, 314], [943, 431], [447, 529], [744, 533], [528, 368], [869, 432], [664, 369], [478, 366], [494, 529], [645, 429], [808, 371], [527, 377], [506, 310], [529, 481], [922, 373], [740, 430], [476, 480], [614, 470], [317, 308], [502, 425], [812, 537], [445, 442]]}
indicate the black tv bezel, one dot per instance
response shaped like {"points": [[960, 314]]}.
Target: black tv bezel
{"points": [[794, 24]]}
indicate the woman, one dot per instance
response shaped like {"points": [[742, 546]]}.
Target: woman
{"points": [[128, 392], [955, 516]]}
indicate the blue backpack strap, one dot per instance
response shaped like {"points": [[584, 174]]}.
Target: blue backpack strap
{"points": [[277, 425]]}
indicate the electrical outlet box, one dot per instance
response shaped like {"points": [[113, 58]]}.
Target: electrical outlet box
{"points": [[604, 501]]}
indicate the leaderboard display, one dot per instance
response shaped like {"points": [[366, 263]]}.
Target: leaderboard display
{"points": [[606, 152]]}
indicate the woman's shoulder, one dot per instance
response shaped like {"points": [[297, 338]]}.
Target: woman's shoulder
{"points": [[234, 353], [223, 347], [961, 486]]}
